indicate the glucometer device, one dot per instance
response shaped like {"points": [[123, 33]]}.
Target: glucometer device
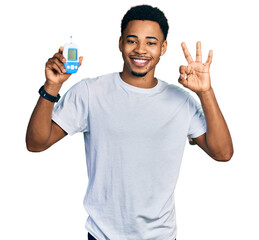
{"points": [[70, 52]]}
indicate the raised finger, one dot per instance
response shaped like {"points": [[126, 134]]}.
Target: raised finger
{"points": [[186, 53], [209, 59], [198, 52]]}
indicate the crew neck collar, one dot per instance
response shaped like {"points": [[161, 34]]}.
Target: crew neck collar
{"points": [[138, 89]]}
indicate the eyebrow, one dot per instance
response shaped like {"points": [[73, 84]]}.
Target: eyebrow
{"points": [[148, 37]]}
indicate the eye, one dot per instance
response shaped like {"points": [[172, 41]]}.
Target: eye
{"points": [[151, 43], [131, 41]]}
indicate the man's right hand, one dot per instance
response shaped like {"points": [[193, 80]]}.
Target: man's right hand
{"points": [[55, 71], [42, 132]]}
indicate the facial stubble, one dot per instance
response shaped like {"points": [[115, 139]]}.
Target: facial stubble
{"points": [[138, 74]]}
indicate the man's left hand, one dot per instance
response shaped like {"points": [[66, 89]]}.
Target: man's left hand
{"points": [[196, 75]]}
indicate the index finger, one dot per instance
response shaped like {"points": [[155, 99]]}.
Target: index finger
{"points": [[186, 53], [61, 49], [59, 55]]}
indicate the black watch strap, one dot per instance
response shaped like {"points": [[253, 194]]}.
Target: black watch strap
{"points": [[47, 96]]}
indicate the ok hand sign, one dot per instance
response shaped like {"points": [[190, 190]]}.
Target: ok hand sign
{"points": [[196, 75]]}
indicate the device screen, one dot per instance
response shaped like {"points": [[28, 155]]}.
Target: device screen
{"points": [[72, 54]]}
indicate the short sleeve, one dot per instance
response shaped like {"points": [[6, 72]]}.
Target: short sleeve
{"points": [[198, 124], [71, 112]]}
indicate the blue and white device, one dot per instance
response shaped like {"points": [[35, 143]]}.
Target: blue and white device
{"points": [[70, 52]]}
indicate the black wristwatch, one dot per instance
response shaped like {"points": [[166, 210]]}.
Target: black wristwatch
{"points": [[47, 96]]}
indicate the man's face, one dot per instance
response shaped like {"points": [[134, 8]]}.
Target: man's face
{"points": [[142, 44]]}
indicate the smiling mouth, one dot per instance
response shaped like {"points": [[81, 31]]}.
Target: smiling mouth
{"points": [[140, 62]]}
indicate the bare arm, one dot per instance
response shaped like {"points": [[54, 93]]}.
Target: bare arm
{"points": [[216, 141], [42, 132]]}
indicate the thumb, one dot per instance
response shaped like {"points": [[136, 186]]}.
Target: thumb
{"points": [[183, 81], [80, 61]]}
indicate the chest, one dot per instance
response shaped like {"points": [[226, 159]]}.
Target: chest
{"points": [[137, 117]]}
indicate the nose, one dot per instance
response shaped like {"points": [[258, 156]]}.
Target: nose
{"points": [[140, 48]]}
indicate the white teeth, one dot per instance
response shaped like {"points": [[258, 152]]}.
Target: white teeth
{"points": [[140, 60]]}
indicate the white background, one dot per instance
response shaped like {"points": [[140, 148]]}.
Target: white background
{"points": [[42, 193]]}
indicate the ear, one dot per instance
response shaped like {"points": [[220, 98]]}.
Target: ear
{"points": [[164, 47], [120, 43]]}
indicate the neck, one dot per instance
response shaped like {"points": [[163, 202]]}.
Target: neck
{"points": [[148, 81]]}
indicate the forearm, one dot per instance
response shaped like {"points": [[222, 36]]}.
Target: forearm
{"points": [[40, 124], [218, 139]]}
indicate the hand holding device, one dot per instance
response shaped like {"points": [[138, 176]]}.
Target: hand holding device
{"points": [[70, 52], [55, 70]]}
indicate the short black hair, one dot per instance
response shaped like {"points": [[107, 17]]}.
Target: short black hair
{"points": [[145, 12]]}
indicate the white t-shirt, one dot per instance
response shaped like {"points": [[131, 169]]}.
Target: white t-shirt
{"points": [[134, 143]]}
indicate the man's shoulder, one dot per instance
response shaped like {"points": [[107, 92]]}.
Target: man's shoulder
{"points": [[102, 79], [175, 91]]}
